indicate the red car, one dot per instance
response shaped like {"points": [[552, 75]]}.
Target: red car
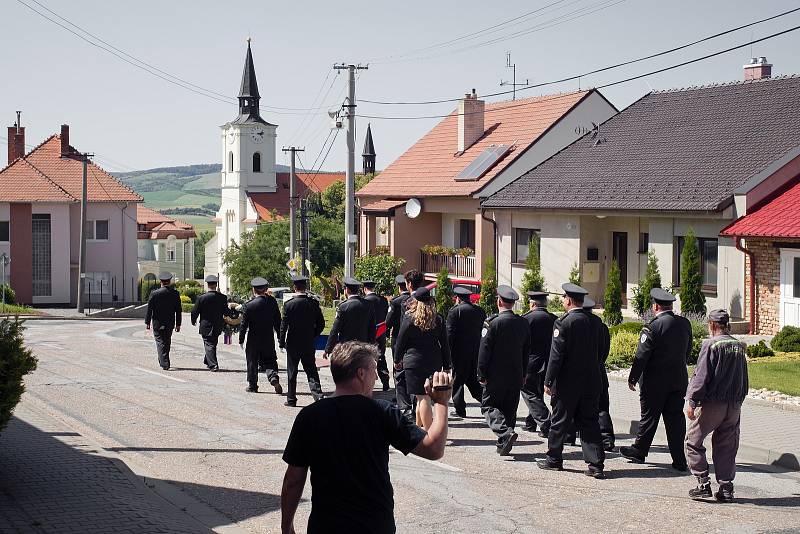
{"points": [[472, 285]]}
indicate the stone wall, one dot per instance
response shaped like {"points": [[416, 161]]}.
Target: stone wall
{"points": [[768, 283]]}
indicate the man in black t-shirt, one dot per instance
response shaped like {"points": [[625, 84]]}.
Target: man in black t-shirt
{"points": [[344, 440]]}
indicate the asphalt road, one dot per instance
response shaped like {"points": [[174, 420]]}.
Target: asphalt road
{"points": [[201, 432]]}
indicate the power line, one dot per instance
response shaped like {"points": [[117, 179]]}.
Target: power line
{"points": [[603, 69], [625, 80], [321, 163]]}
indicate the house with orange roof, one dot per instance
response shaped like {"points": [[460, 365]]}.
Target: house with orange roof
{"points": [[40, 219], [425, 206], [164, 244]]}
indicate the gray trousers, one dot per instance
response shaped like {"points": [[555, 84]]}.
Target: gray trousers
{"points": [[163, 343], [210, 350], [721, 418], [499, 407]]}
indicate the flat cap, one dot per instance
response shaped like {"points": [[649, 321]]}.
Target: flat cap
{"points": [[507, 293], [422, 294], [165, 275], [537, 295], [719, 316], [659, 295], [588, 303], [400, 279], [369, 283], [462, 291], [351, 282], [212, 279], [259, 282], [574, 290], [299, 278]]}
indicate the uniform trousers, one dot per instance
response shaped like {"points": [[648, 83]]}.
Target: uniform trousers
{"points": [[669, 405], [307, 359], [722, 418], [465, 376], [383, 368], [210, 348], [163, 343], [604, 419], [582, 411], [499, 406], [533, 395], [403, 399], [261, 357]]}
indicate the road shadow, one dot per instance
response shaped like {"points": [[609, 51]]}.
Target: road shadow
{"points": [[781, 502], [206, 370], [191, 449]]}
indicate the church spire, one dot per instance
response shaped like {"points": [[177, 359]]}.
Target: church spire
{"points": [[369, 153], [248, 93]]}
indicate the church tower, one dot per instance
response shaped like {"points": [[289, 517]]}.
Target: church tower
{"points": [[369, 153]]}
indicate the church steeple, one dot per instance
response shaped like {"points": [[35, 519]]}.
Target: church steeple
{"points": [[248, 93], [369, 153]]}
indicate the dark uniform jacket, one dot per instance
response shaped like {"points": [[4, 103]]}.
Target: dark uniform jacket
{"points": [[380, 307], [164, 309], [302, 323], [427, 350], [395, 315], [261, 316], [660, 362], [504, 352], [210, 307], [540, 322], [603, 346], [464, 327], [573, 369], [355, 321], [721, 372]]}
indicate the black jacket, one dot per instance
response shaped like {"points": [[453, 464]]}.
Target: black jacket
{"points": [[164, 309], [395, 316], [380, 307], [260, 315], [660, 362], [425, 350], [721, 372], [504, 352], [210, 307], [355, 321], [302, 323], [603, 346], [464, 327], [573, 369], [540, 322]]}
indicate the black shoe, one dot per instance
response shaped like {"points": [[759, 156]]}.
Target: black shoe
{"points": [[252, 389], [277, 385], [386, 386], [529, 428], [456, 415], [547, 465], [702, 491], [291, 404], [632, 454], [318, 397], [165, 367], [571, 443], [608, 447], [262, 369], [594, 472], [680, 467], [724, 493], [543, 434], [505, 448], [214, 368]]}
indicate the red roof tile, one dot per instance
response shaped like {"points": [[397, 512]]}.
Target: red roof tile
{"points": [[430, 166], [145, 215], [278, 202], [383, 205], [779, 217]]}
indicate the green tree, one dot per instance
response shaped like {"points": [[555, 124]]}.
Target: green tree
{"points": [[691, 293], [326, 244], [444, 292], [612, 303], [532, 279], [15, 362], [330, 203], [200, 252], [488, 299], [575, 275], [652, 278], [260, 253], [380, 268]]}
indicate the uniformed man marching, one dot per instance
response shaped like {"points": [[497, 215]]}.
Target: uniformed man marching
{"points": [[355, 318], [540, 322], [261, 317], [380, 308], [164, 310], [394, 318], [573, 383], [210, 307], [464, 324], [660, 370], [502, 362], [603, 347], [302, 323]]}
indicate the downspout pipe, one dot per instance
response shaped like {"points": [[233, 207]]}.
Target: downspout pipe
{"points": [[494, 244], [751, 256]]}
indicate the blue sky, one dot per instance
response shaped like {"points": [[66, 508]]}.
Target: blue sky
{"points": [[134, 120]]}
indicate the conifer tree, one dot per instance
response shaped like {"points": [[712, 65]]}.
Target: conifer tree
{"points": [[488, 300], [692, 298], [652, 278], [532, 279], [612, 303], [444, 293]]}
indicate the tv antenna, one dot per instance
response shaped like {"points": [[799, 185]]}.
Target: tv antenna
{"points": [[513, 83]]}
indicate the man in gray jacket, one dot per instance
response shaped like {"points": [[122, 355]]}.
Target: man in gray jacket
{"points": [[715, 395]]}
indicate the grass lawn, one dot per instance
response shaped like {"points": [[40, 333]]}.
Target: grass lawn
{"points": [[779, 373], [329, 314], [12, 309]]}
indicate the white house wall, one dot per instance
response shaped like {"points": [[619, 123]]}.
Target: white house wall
{"points": [[450, 228], [59, 252]]}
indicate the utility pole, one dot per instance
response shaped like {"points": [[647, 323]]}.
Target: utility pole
{"points": [[304, 236], [350, 182], [513, 83], [82, 249], [293, 202]]}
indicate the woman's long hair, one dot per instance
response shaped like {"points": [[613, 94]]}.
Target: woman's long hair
{"points": [[424, 314]]}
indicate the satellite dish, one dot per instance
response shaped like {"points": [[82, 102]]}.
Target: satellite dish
{"points": [[413, 208]]}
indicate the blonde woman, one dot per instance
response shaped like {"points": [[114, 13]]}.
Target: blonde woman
{"points": [[422, 345]]}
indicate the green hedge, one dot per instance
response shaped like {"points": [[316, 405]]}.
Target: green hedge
{"points": [[787, 340], [186, 307], [631, 327], [15, 362], [623, 349], [11, 296], [759, 350]]}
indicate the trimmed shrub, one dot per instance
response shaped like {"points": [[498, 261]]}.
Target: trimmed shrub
{"points": [[380, 268], [185, 299], [556, 305], [444, 293], [623, 349], [629, 327], [11, 296], [787, 340], [691, 294], [759, 350], [15, 362], [532, 279], [488, 300], [186, 307], [612, 303], [190, 292]]}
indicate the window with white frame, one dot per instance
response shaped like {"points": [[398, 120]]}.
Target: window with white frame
{"points": [[171, 241], [5, 231], [97, 230], [522, 240]]}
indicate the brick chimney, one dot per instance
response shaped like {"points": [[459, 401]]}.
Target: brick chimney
{"points": [[65, 151], [470, 120], [16, 140], [758, 69]]}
